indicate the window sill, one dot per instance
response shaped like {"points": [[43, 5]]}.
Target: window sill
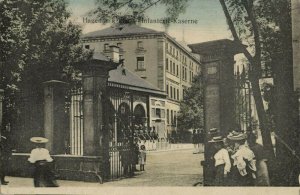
{"points": [[144, 69]]}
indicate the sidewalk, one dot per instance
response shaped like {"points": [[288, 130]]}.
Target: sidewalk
{"points": [[175, 167], [174, 147]]}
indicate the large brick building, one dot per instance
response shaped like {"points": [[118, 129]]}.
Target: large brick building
{"points": [[156, 57]]}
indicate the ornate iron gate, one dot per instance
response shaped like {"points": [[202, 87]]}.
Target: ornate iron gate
{"points": [[243, 101], [119, 110], [118, 119]]}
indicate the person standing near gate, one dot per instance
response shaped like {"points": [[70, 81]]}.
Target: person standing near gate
{"points": [[6, 153], [222, 161], [5, 157], [261, 156], [142, 158], [40, 157], [243, 171], [195, 142], [135, 154]]}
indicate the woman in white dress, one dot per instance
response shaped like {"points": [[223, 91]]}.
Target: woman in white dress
{"points": [[40, 157]]}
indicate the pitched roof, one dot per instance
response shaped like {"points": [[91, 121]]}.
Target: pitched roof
{"points": [[123, 76], [119, 30], [211, 46], [100, 56]]}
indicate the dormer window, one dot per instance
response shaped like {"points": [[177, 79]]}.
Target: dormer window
{"points": [[140, 44]]}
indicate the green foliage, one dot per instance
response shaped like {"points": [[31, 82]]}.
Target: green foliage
{"points": [[115, 10], [38, 43], [191, 114], [274, 22]]}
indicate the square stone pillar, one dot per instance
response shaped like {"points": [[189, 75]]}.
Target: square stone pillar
{"points": [[95, 133], [54, 116], [93, 87], [217, 59]]}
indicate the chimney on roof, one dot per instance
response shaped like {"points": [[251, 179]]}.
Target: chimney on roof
{"points": [[114, 53], [127, 19]]}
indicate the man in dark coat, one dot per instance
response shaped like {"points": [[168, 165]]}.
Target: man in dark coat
{"points": [[5, 157]]}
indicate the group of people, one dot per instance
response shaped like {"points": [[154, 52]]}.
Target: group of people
{"points": [[238, 161], [130, 159]]}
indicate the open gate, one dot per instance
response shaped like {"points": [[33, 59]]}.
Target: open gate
{"points": [[119, 123], [118, 109]]}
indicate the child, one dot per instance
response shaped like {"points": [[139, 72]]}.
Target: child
{"points": [[142, 158], [222, 161]]}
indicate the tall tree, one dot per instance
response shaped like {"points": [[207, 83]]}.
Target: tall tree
{"points": [[38, 43], [191, 115], [266, 28]]}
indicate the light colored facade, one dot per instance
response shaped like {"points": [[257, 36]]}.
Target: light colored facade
{"points": [[155, 57]]}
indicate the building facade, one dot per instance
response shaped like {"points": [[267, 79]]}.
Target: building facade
{"points": [[155, 57]]}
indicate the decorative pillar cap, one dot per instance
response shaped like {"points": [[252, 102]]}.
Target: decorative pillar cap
{"points": [[54, 82], [99, 62], [210, 47]]}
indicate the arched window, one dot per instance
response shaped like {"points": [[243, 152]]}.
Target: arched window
{"points": [[139, 115]]}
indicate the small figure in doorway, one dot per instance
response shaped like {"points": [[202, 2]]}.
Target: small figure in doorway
{"points": [[142, 158]]}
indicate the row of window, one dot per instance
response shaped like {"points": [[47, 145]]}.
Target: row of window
{"points": [[173, 68], [160, 113], [172, 92], [177, 54], [171, 117]]}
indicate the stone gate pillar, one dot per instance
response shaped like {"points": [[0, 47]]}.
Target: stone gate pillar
{"points": [[94, 76], [217, 59], [54, 115]]}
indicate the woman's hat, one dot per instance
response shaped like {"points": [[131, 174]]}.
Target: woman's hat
{"points": [[216, 139], [237, 136], [39, 140], [213, 130]]}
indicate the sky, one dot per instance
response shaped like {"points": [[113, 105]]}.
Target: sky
{"points": [[211, 22]]}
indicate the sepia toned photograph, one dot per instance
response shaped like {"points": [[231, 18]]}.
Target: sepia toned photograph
{"points": [[101, 95]]}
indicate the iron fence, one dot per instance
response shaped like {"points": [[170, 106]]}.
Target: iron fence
{"points": [[243, 101]]}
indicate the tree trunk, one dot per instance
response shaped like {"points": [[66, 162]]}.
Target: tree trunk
{"points": [[254, 72]]}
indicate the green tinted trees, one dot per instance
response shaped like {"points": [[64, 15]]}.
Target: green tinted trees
{"points": [[265, 26], [38, 43], [191, 115]]}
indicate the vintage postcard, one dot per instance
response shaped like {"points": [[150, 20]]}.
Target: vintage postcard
{"points": [[149, 96]]}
